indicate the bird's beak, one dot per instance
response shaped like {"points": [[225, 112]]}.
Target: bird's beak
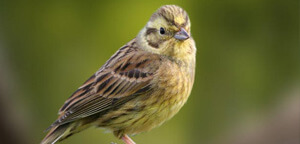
{"points": [[182, 34]]}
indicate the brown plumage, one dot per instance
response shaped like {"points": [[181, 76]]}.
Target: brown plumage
{"points": [[143, 84]]}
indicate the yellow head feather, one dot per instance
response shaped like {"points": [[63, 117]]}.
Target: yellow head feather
{"points": [[171, 19]]}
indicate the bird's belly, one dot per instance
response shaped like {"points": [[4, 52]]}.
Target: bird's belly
{"points": [[167, 101]]}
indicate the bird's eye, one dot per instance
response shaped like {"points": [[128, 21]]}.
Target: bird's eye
{"points": [[162, 30]]}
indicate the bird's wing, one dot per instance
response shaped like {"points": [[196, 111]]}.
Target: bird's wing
{"points": [[126, 74]]}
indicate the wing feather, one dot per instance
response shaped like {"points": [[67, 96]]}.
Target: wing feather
{"points": [[127, 74]]}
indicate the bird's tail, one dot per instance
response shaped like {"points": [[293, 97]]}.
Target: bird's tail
{"points": [[57, 133], [61, 132]]}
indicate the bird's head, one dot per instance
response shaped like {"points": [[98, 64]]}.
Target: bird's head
{"points": [[167, 32]]}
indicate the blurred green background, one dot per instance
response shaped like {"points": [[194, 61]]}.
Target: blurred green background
{"points": [[247, 87]]}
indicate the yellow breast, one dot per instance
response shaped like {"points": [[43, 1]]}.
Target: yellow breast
{"points": [[173, 88]]}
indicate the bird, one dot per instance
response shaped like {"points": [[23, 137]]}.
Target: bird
{"points": [[145, 83]]}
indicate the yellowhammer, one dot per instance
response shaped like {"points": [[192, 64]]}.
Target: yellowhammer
{"points": [[142, 85]]}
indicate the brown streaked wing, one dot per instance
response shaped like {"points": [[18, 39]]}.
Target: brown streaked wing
{"points": [[125, 75]]}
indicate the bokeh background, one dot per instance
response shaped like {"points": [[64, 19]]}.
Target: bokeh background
{"points": [[247, 87]]}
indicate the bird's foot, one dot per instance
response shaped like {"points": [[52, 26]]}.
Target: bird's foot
{"points": [[127, 139]]}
